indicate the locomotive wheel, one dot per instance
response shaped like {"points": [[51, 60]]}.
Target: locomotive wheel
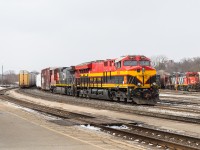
{"points": [[112, 95], [189, 89], [147, 94], [125, 100]]}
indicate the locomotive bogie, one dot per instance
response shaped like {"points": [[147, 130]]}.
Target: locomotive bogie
{"points": [[58, 90]]}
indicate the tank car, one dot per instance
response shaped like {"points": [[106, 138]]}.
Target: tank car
{"points": [[26, 79]]}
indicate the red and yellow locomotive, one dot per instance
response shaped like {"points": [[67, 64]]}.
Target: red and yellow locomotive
{"points": [[128, 78]]}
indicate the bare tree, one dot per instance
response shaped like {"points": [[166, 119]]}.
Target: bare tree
{"points": [[159, 62], [185, 65], [10, 77]]}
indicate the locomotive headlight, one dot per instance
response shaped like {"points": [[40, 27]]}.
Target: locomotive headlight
{"points": [[153, 84], [139, 84]]}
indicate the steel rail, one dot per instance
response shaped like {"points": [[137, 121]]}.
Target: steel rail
{"points": [[195, 120], [130, 134]]}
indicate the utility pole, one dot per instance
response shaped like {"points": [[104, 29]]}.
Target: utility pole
{"points": [[2, 77]]}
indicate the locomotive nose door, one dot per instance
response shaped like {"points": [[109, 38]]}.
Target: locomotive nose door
{"points": [[142, 76]]}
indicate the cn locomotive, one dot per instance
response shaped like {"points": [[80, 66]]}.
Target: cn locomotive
{"points": [[129, 78], [187, 81]]}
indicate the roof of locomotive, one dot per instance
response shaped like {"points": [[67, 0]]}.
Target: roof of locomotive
{"points": [[53, 68], [49, 68], [183, 73], [191, 73], [136, 57], [87, 63]]}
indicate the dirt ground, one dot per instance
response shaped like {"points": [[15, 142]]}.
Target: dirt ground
{"points": [[184, 128], [74, 136]]}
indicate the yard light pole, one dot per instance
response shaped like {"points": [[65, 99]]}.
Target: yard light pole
{"points": [[2, 77]]}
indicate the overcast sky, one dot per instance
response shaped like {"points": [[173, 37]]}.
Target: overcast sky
{"points": [[35, 34]]}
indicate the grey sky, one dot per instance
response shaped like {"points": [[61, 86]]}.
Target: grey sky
{"points": [[35, 34]]}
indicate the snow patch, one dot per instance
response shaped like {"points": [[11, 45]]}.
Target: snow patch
{"points": [[90, 127], [119, 127]]}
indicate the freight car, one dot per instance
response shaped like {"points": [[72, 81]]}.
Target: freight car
{"points": [[38, 81], [164, 79], [26, 79], [128, 78]]}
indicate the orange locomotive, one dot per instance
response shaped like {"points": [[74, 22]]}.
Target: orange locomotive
{"points": [[128, 78]]}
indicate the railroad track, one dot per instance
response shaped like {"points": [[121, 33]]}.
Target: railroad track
{"points": [[178, 109], [177, 101], [133, 132], [165, 91], [132, 110], [2, 91]]}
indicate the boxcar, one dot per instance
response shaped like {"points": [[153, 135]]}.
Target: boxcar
{"points": [[26, 79]]}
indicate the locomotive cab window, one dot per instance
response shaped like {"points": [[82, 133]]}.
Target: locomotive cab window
{"points": [[130, 63], [118, 64], [144, 63], [192, 75]]}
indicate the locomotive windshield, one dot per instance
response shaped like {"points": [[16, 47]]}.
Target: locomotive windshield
{"points": [[130, 63], [144, 63], [193, 75]]}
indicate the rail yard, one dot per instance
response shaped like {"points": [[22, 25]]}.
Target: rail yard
{"points": [[167, 125], [99, 75], [117, 101]]}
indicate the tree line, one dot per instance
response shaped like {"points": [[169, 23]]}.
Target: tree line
{"points": [[161, 62], [9, 77]]}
